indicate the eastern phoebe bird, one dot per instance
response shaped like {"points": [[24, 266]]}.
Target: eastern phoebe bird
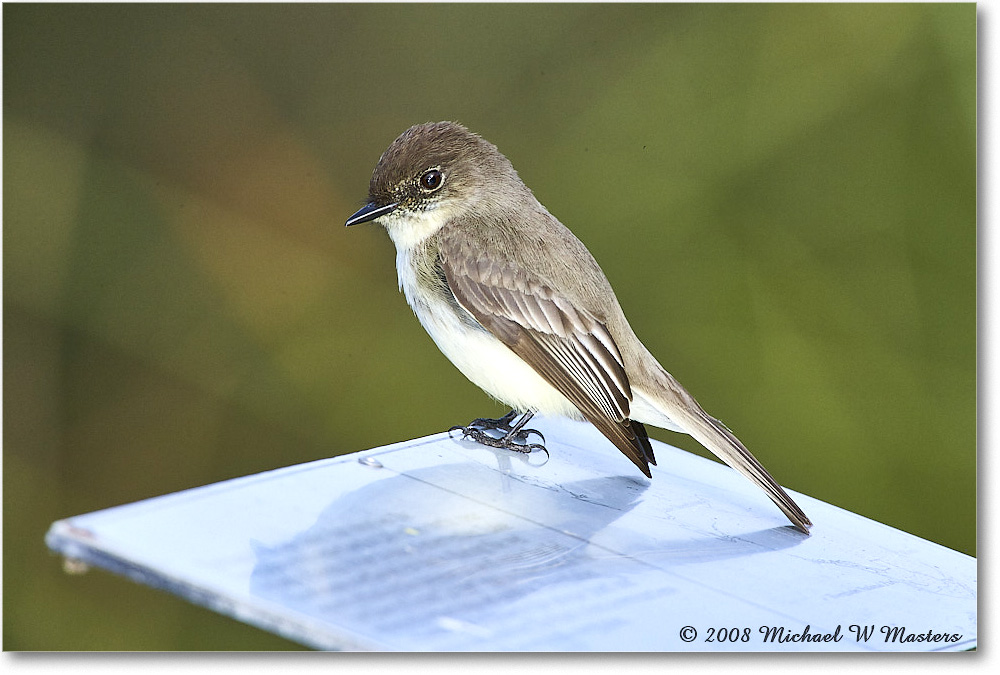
{"points": [[521, 307]]}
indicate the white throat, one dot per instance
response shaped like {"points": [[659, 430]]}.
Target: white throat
{"points": [[409, 229]]}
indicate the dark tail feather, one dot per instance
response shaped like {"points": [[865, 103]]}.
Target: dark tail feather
{"points": [[714, 435]]}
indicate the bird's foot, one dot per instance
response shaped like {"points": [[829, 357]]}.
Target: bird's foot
{"points": [[512, 436]]}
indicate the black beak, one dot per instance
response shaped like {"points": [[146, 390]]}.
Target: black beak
{"points": [[368, 212]]}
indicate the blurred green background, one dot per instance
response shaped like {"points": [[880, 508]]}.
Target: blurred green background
{"points": [[784, 197]]}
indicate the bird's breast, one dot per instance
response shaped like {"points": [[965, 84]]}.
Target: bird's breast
{"points": [[480, 356]]}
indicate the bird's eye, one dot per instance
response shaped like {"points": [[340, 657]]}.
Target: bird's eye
{"points": [[432, 180]]}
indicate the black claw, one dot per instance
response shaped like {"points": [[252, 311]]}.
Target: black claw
{"points": [[524, 433]]}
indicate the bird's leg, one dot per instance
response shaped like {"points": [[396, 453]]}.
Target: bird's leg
{"points": [[518, 432], [515, 437], [483, 423]]}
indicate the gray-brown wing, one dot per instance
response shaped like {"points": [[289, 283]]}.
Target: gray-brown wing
{"points": [[570, 348]]}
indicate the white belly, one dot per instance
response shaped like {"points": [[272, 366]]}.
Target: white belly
{"points": [[482, 358]]}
